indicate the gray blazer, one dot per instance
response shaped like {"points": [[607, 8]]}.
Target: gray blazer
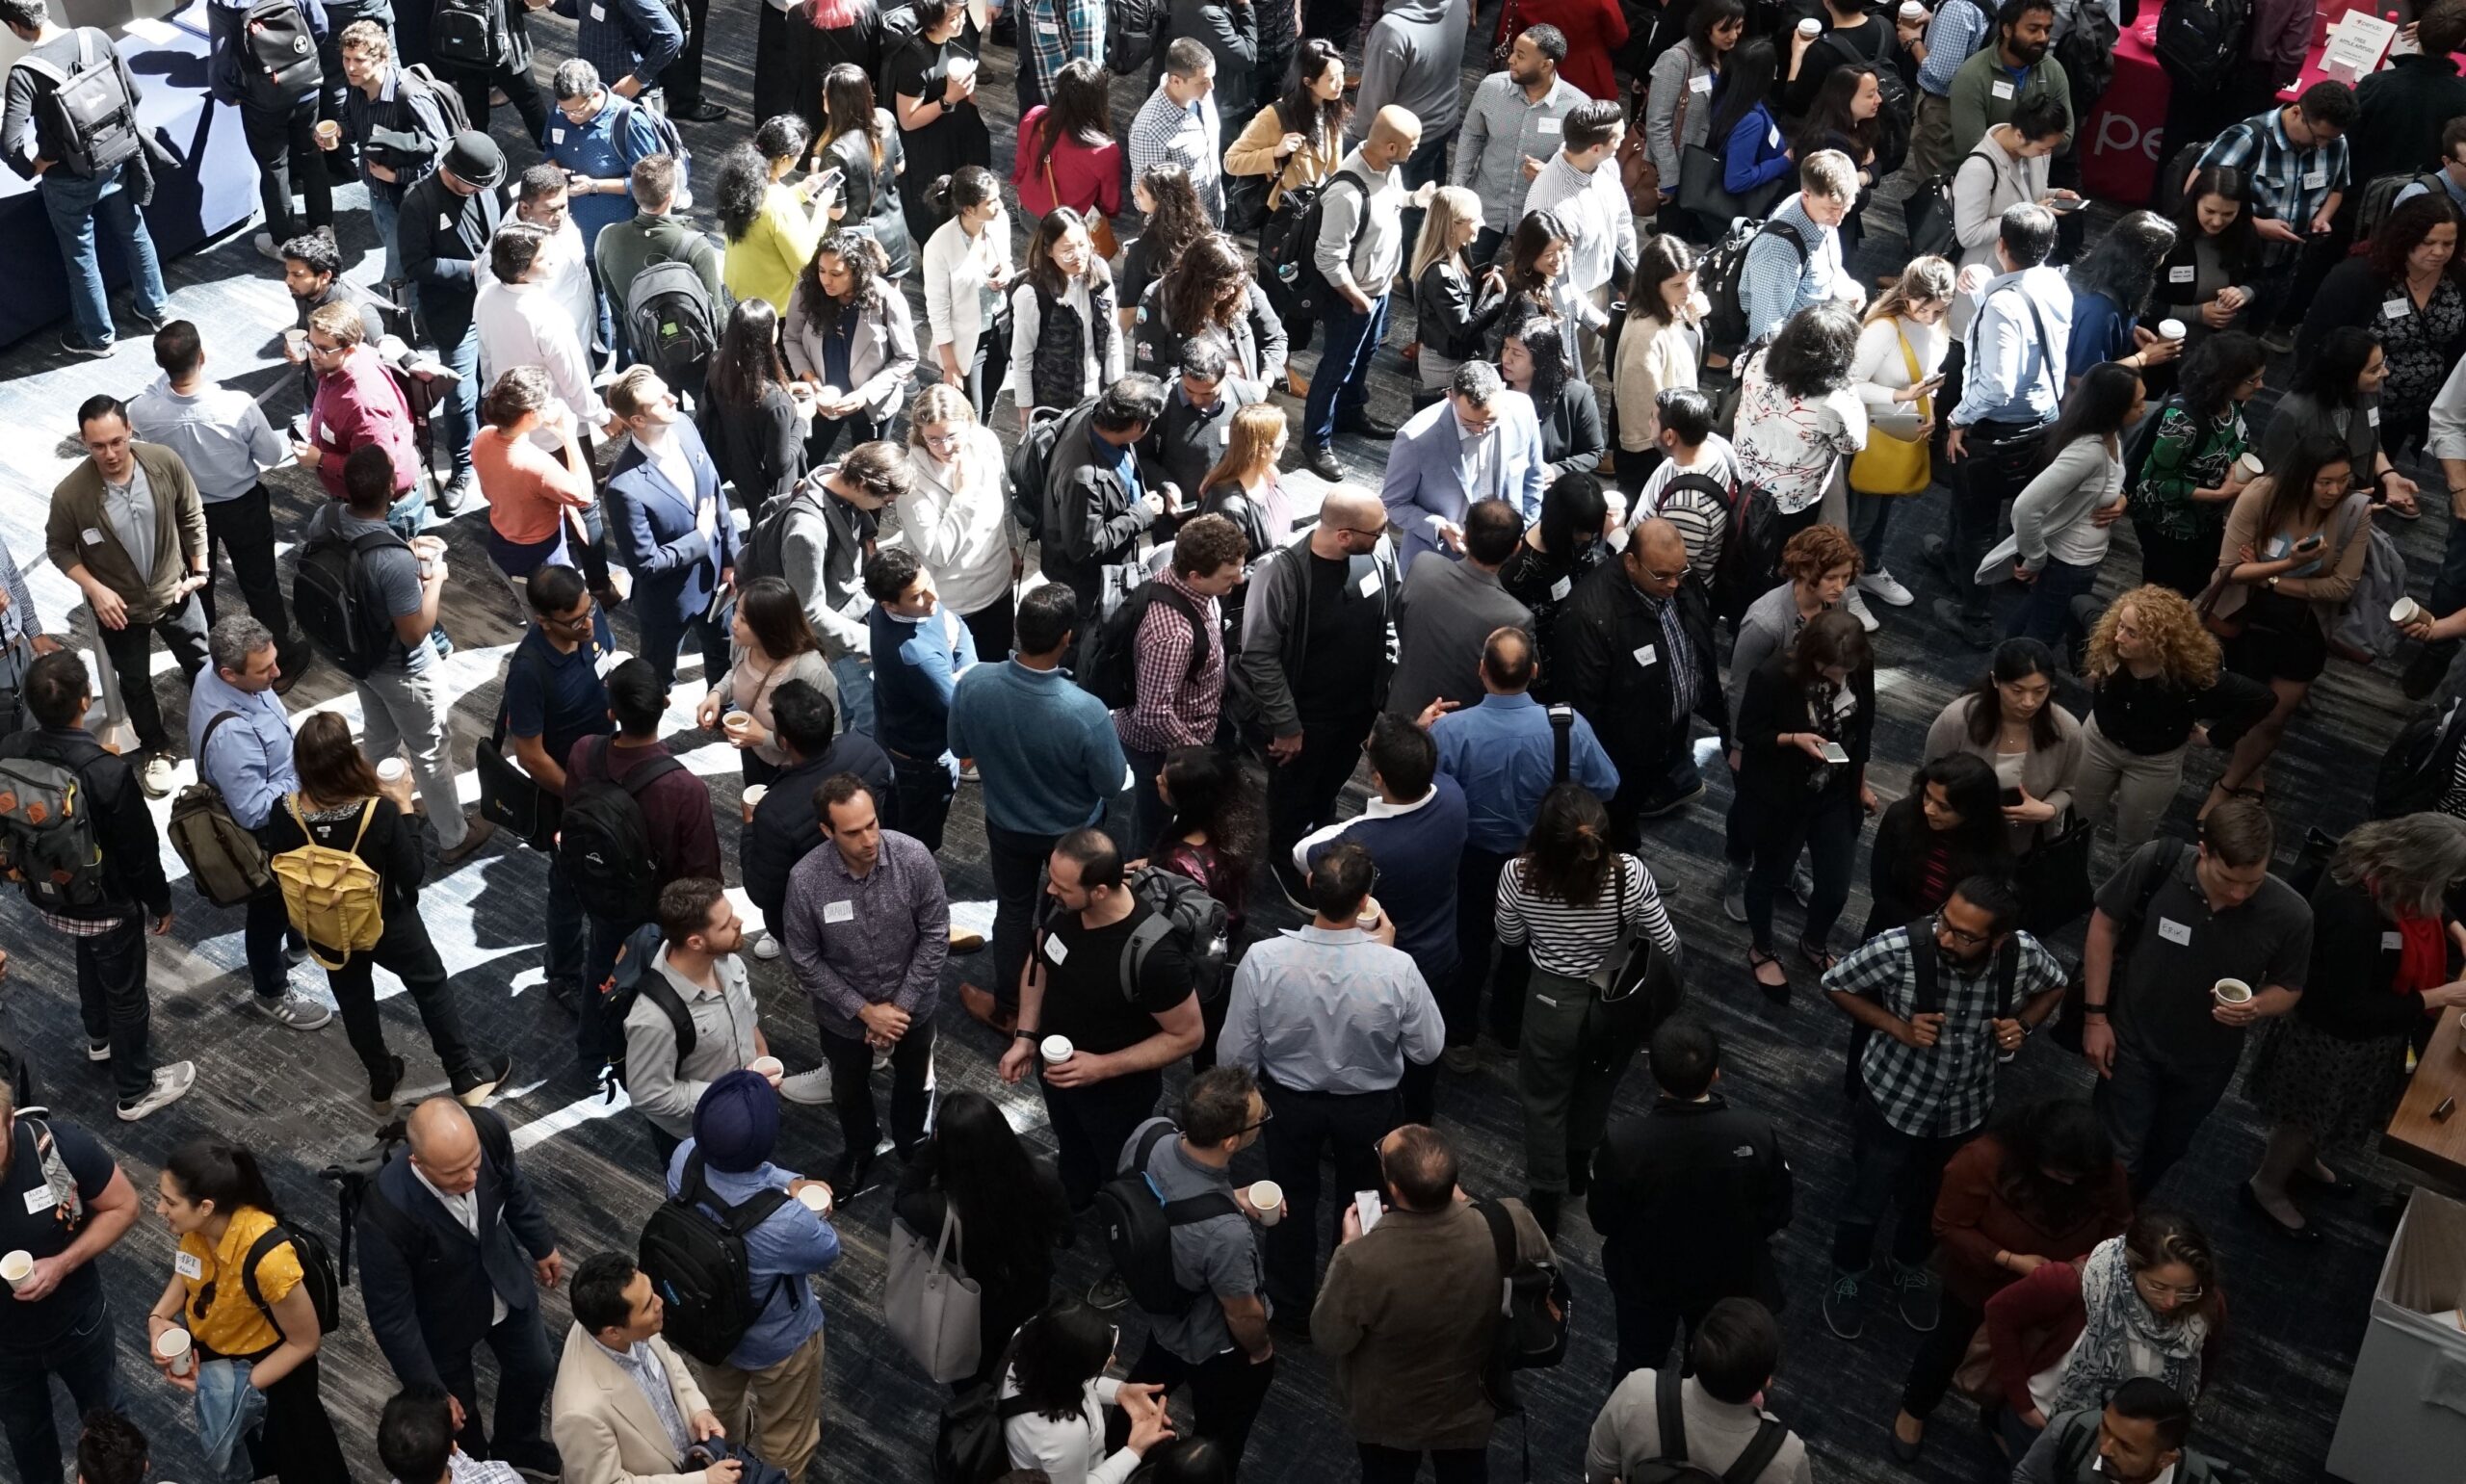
{"points": [[881, 355]]}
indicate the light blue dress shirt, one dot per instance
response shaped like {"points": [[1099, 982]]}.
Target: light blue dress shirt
{"points": [[249, 759], [1321, 1009], [1501, 752], [783, 1251]]}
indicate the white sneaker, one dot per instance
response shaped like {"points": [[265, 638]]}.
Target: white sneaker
{"points": [[295, 1009], [1854, 601], [267, 248], [767, 948], [1885, 588], [172, 1084], [811, 1089], [155, 775]]}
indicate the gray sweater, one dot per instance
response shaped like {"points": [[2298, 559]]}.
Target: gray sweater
{"points": [[1769, 625], [1377, 238], [1448, 611], [666, 1087], [2051, 515], [1628, 1432], [1414, 59]]}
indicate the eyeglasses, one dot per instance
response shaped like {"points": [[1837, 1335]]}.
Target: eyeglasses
{"points": [[1266, 1115], [1959, 934], [2168, 1290], [945, 440]]}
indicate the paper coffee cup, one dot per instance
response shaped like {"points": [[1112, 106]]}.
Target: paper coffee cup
{"points": [[17, 1267], [297, 339], [393, 770], [2171, 330], [330, 134], [1810, 27], [2232, 992], [735, 722], [754, 794], [816, 1199], [2406, 611], [766, 1066], [1055, 1049], [173, 1346], [1267, 1198], [2249, 466], [1913, 10]]}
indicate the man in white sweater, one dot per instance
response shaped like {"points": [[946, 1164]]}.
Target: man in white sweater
{"points": [[1361, 245], [1582, 193]]}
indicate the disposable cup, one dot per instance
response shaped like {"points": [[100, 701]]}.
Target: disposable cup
{"points": [[1055, 1049], [766, 1066], [173, 1346], [17, 1267], [330, 135], [393, 770], [1267, 1198], [1913, 10], [735, 722], [815, 1198], [2232, 992], [754, 794], [2249, 467], [297, 339], [2171, 330], [2406, 611]]}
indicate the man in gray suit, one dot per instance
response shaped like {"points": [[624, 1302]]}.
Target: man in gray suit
{"points": [[1449, 610], [1479, 442]]}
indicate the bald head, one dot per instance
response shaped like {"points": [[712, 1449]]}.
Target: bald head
{"points": [[1394, 134], [1507, 661], [1351, 523], [1656, 556], [445, 1144]]}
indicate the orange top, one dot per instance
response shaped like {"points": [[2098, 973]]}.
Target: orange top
{"points": [[527, 486]]}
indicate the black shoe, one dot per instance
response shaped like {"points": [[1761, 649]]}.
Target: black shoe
{"points": [[1975, 633], [382, 1086], [473, 1083], [1320, 461], [1366, 426], [702, 112], [848, 1176], [2251, 1200], [1655, 806], [1544, 1206]]}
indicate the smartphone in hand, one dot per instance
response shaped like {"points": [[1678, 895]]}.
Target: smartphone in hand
{"points": [[1366, 1206]]}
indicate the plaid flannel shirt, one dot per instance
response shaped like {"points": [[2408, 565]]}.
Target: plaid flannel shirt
{"points": [[1175, 708], [1947, 1089], [1166, 133], [2282, 175], [1678, 653], [1060, 32]]}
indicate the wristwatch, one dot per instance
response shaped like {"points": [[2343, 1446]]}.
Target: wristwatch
{"points": [[2272, 581]]}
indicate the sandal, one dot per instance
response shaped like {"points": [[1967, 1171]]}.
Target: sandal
{"points": [[1820, 959], [1777, 990]]}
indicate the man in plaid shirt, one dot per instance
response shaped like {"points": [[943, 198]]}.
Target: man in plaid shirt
{"points": [[1179, 673], [1178, 125], [1929, 1076], [1054, 33], [2295, 158]]}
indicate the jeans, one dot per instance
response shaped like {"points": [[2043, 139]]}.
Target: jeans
{"points": [[1401, 1466], [1017, 862], [74, 202], [1340, 387], [279, 142], [1869, 517], [1477, 916], [268, 927], [855, 676], [1888, 1167], [1303, 1128], [1828, 830], [83, 1358], [131, 650], [113, 1004], [2134, 789], [1141, 815], [2152, 1108], [2045, 613], [242, 527], [457, 419], [664, 631], [921, 791], [227, 1409], [383, 211], [516, 84], [405, 952], [1570, 1065], [526, 1371], [912, 1092], [402, 710], [1090, 1125], [1226, 1392]]}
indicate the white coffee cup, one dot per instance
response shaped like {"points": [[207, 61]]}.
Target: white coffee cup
{"points": [[815, 1198], [17, 1267], [735, 722], [754, 794], [1810, 28], [393, 770], [2406, 611], [2249, 467], [766, 1066], [2231, 992], [1913, 10], [175, 1346], [297, 339], [1267, 1198], [2171, 330], [1055, 1049]]}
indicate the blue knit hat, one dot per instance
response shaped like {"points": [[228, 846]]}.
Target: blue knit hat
{"points": [[737, 1122]]}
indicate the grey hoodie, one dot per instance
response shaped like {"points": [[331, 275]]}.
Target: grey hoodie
{"points": [[1415, 59]]}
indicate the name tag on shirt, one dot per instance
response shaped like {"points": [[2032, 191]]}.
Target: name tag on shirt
{"points": [[1224, 436], [2391, 940], [1055, 949], [1546, 125], [2393, 309], [93, 537], [2371, 417], [186, 1263], [556, 136], [2000, 88], [2180, 274], [1370, 583], [1772, 137], [41, 1199], [1048, 28], [1559, 589], [1701, 82], [444, 222], [839, 912], [1647, 656], [326, 433], [598, 12], [2314, 180], [2174, 932]]}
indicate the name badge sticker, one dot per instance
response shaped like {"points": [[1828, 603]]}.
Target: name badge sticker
{"points": [[2393, 309], [1701, 82], [2001, 87], [93, 537], [188, 1265], [1547, 125], [2391, 940], [1369, 583], [1647, 656], [1055, 949], [41, 1199], [2174, 932], [1559, 589], [839, 912], [2181, 273]]}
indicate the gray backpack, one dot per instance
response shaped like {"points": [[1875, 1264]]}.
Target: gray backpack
{"points": [[670, 318], [48, 837]]}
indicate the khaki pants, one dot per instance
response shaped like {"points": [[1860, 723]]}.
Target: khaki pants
{"points": [[1930, 144], [776, 1411], [2132, 789]]}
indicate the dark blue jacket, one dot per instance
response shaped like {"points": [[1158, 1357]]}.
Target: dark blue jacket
{"points": [[916, 668], [786, 825], [652, 525], [1416, 848]]}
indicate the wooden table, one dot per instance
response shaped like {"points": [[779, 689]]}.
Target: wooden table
{"points": [[2413, 1138]]}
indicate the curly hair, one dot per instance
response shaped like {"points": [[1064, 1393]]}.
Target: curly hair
{"points": [[1207, 287], [745, 181], [1818, 550], [862, 256], [1178, 220], [2407, 864], [2186, 652], [2408, 225]]}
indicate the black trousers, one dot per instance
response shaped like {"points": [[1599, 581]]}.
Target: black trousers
{"points": [[1090, 1125], [1303, 1128], [520, 91], [852, 1089], [1939, 1354], [1226, 1392], [1889, 1169], [242, 527], [1017, 860], [282, 143], [991, 626], [112, 1001], [406, 952], [924, 787], [526, 1371], [682, 79], [2184, 566], [1401, 1466], [1476, 927], [1301, 793], [297, 1444], [1646, 1324], [132, 652]]}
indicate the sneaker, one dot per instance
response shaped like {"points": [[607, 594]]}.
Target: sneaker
{"points": [[969, 774], [1734, 894], [172, 1084], [1462, 1060], [476, 833], [266, 246], [155, 775], [69, 343], [154, 321], [811, 1088], [1844, 1310], [703, 112], [965, 940], [1856, 602], [1801, 883], [1975, 633], [296, 1010], [381, 1084], [882, 1058], [1671, 802], [767, 948], [1319, 460], [1109, 1291], [473, 1084], [98, 1050], [1885, 588], [1919, 1294]]}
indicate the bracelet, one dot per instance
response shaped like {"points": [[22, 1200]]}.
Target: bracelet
{"points": [[2094, 1012], [1023, 1034]]}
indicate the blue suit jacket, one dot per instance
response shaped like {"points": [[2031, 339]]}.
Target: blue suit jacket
{"points": [[653, 525], [1425, 485]]}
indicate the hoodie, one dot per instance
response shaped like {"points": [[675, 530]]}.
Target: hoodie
{"points": [[1415, 59]]}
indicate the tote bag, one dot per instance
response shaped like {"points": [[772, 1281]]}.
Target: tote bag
{"points": [[932, 1306], [1895, 466]]}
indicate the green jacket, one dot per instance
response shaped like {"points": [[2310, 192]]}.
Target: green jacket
{"points": [[1976, 108], [79, 533], [624, 248]]}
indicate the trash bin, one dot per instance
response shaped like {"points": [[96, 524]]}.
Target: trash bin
{"points": [[2404, 1419]]}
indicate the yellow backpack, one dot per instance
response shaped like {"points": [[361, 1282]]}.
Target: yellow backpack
{"points": [[334, 899]]}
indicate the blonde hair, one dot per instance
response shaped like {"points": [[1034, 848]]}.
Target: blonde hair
{"points": [[1250, 443], [1449, 206], [940, 402], [2186, 650], [340, 321], [1926, 281], [1828, 174]]}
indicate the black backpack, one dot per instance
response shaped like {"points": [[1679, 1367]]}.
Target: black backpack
{"points": [[317, 1274], [1031, 463], [670, 318], [2420, 764], [1672, 1465], [1134, 30], [1720, 273], [449, 98], [1289, 245], [1109, 668], [1138, 1227], [764, 551], [605, 843], [2087, 54], [2199, 41], [333, 604], [1536, 1311], [91, 110], [1183, 911], [630, 980], [466, 34], [280, 56], [700, 1267]]}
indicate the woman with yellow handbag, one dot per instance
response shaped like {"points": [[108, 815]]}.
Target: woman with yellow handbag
{"points": [[1896, 373]]}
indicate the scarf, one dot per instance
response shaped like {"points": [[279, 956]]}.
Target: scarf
{"points": [[2118, 1326], [2422, 955]]}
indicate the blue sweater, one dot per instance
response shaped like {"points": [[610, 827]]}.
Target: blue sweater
{"points": [[1752, 153], [2101, 331], [1416, 848], [1044, 747], [916, 667]]}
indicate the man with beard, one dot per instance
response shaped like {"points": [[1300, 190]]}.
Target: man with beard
{"points": [[1992, 84]]}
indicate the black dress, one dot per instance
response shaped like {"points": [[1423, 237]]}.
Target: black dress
{"points": [[921, 69], [1002, 1305]]}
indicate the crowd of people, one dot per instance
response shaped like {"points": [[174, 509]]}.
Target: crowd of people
{"points": [[1641, 523]]}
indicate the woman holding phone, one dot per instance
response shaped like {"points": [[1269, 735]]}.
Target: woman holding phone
{"points": [[2010, 720], [1805, 730], [1896, 371], [2192, 465]]}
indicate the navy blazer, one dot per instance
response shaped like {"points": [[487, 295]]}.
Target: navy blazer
{"points": [[653, 525], [433, 1299]]}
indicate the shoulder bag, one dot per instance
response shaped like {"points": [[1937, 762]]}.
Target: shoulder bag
{"points": [[1891, 465], [932, 1306], [1635, 985]]}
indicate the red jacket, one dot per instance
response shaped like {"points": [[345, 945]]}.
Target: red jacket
{"points": [[356, 404], [1082, 176], [1595, 30], [1974, 1222], [2033, 1323]]}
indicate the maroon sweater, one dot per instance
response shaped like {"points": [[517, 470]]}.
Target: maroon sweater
{"points": [[676, 808]]}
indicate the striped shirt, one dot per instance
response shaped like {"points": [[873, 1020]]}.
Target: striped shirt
{"points": [[2288, 183], [1571, 940]]}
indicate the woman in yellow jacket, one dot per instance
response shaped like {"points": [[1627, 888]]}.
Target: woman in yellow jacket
{"points": [[238, 1298], [771, 227], [1297, 140]]}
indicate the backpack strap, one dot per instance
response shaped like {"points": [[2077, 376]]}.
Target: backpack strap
{"points": [[740, 1219], [1929, 999], [1502, 1235], [1137, 1164], [1562, 729], [1153, 928], [55, 1174], [1669, 1414], [275, 1236], [644, 776], [1761, 1450], [2170, 859], [528, 659], [654, 986], [205, 739]]}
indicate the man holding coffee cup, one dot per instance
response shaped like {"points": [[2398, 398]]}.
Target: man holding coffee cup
{"points": [[2209, 942], [692, 1020]]}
